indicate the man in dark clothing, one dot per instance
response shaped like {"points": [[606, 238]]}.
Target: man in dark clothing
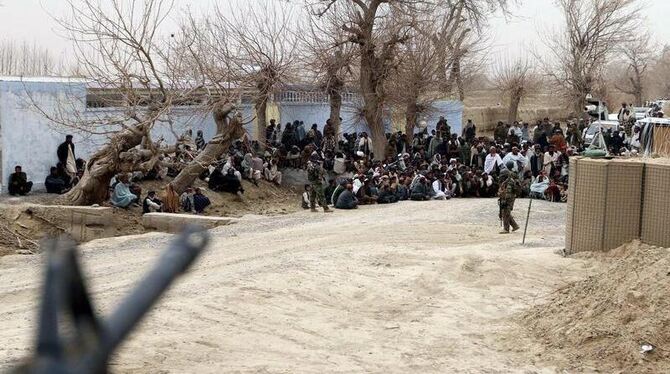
{"points": [[230, 183], [509, 189], [328, 191], [315, 174], [347, 199], [387, 195], [420, 191], [63, 150], [537, 161], [470, 131], [269, 131], [18, 183], [200, 201], [54, 183]]}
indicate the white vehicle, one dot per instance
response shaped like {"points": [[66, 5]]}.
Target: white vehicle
{"points": [[591, 131], [597, 109]]}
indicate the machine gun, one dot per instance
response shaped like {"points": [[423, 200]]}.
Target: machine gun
{"points": [[65, 297]]}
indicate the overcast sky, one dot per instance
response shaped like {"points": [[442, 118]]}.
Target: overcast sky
{"points": [[30, 20]]}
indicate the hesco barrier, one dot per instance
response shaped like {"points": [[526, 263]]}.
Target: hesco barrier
{"points": [[604, 204], [656, 206]]}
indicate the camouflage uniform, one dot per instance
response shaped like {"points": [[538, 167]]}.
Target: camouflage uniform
{"points": [[315, 174], [506, 196]]}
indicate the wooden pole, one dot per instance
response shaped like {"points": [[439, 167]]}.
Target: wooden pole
{"points": [[530, 203]]}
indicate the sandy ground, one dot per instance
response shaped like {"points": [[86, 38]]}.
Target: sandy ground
{"points": [[406, 288]]}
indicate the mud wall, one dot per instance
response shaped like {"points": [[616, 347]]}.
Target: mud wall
{"points": [[486, 118], [612, 202]]}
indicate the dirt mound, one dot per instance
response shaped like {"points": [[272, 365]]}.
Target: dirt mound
{"points": [[22, 228], [264, 199], [604, 320]]}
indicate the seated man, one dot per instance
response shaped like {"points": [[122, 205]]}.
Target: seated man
{"points": [[151, 203], [332, 199], [387, 194], [231, 184], [365, 194], [18, 183], [186, 200], [347, 199], [539, 186], [438, 191], [54, 183], [121, 195], [272, 173], [200, 201], [420, 191]]}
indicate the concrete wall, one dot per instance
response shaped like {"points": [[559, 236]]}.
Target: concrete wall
{"points": [[174, 223]]}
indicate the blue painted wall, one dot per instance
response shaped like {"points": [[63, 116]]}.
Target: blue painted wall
{"points": [[29, 139]]}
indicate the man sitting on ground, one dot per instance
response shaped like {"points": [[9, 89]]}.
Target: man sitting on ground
{"points": [[186, 200], [347, 199], [54, 183], [121, 196], [231, 184], [420, 191], [332, 199], [18, 183], [200, 201], [151, 203]]}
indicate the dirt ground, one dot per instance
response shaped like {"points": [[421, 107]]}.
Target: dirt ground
{"points": [[405, 288]]}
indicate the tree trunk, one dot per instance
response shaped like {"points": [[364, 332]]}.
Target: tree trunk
{"points": [[373, 97], [335, 98], [226, 135], [261, 107], [373, 113], [514, 102], [103, 165], [411, 112]]}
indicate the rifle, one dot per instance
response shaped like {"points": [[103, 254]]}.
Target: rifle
{"points": [[93, 340]]}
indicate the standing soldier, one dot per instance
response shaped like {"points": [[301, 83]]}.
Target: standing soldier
{"points": [[315, 175], [509, 188]]}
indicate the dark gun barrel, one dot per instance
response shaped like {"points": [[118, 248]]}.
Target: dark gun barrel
{"points": [[178, 257]]}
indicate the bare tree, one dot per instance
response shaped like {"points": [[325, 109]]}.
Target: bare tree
{"points": [[119, 48], [514, 79], [262, 46], [660, 73], [637, 56], [592, 31], [414, 86], [377, 28], [457, 34], [330, 58]]}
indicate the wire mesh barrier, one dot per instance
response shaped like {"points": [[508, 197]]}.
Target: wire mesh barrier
{"points": [[656, 206], [612, 202]]}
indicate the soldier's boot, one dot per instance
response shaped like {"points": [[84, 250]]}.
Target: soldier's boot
{"points": [[504, 232], [313, 210], [326, 209]]}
